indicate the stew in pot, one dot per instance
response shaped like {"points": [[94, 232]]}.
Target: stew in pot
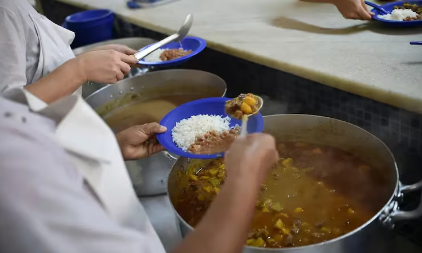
{"points": [[313, 194]]}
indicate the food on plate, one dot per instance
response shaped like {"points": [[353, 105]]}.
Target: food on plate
{"points": [[313, 194], [244, 104], [204, 134], [407, 12], [161, 55]]}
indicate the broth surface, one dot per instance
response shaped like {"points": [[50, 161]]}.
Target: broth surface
{"points": [[313, 194], [147, 111]]}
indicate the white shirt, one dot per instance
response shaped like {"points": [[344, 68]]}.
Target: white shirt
{"points": [[63, 185], [31, 45]]}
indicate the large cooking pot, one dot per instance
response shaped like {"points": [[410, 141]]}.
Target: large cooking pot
{"points": [[149, 175], [336, 133], [135, 43]]}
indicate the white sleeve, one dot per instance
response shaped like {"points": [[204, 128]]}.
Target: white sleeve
{"points": [[44, 203], [13, 52]]}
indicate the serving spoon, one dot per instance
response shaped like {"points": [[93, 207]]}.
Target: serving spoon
{"points": [[380, 10], [245, 117], [179, 36]]}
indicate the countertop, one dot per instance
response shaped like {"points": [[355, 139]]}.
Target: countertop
{"points": [[309, 40]]}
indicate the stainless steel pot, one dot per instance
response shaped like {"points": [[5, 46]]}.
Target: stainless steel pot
{"points": [[336, 133], [149, 175], [135, 43]]}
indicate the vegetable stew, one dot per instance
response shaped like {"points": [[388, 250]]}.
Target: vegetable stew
{"points": [[313, 194]]}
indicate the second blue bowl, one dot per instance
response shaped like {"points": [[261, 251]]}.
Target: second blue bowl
{"points": [[208, 106]]}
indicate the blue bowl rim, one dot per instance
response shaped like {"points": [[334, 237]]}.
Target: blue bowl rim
{"points": [[202, 45], [178, 151], [398, 3], [106, 14]]}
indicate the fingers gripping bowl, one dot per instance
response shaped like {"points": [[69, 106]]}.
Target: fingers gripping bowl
{"points": [[326, 207]]}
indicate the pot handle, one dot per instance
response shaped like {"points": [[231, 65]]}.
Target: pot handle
{"points": [[392, 212], [169, 156]]}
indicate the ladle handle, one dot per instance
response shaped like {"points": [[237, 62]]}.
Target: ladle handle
{"points": [[244, 126], [141, 54]]}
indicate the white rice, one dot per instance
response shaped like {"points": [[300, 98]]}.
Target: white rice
{"points": [[186, 131], [154, 56], [399, 15]]}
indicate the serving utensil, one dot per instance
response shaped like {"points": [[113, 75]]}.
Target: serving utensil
{"points": [[380, 10], [245, 117], [183, 31], [416, 43]]}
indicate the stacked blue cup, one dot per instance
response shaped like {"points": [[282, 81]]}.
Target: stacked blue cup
{"points": [[90, 26]]}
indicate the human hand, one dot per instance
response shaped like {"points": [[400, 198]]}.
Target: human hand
{"points": [[353, 9], [251, 156], [140, 141], [104, 66], [117, 47]]}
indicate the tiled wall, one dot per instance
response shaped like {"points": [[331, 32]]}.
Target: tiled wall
{"points": [[286, 93]]}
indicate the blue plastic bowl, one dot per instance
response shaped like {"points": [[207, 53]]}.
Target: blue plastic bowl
{"points": [[209, 106], [390, 7], [188, 43], [90, 26]]}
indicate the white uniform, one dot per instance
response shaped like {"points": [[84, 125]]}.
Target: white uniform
{"points": [[63, 185], [31, 45]]}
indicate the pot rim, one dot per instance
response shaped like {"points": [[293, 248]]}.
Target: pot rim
{"points": [[376, 216]]}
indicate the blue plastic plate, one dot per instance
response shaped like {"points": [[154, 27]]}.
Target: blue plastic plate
{"points": [[209, 106], [390, 7], [188, 43]]}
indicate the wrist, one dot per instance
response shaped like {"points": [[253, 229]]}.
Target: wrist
{"points": [[78, 68]]}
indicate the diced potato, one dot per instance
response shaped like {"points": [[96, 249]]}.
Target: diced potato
{"points": [[221, 174], [316, 151], [201, 197], [204, 177], [277, 207], [214, 181], [221, 167], [249, 242], [279, 224], [326, 230], [249, 101], [271, 240], [258, 242], [265, 209], [216, 190], [193, 178], [285, 231], [267, 203], [246, 108], [213, 172], [350, 211], [287, 162], [298, 210], [308, 169], [207, 188], [283, 215]]}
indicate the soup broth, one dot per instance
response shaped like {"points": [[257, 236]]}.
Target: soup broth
{"points": [[147, 111], [313, 194]]}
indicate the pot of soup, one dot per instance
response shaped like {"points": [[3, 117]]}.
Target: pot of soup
{"points": [[148, 98], [333, 182]]}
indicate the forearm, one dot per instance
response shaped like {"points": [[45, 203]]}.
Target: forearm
{"points": [[60, 83], [225, 226]]}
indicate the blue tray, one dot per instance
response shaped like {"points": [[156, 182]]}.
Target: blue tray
{"points": [[390, 7], [189, 43], [209, 106]]}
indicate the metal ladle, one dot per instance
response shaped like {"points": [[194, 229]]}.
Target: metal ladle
{"points": [[179, 36], [245, 117]]}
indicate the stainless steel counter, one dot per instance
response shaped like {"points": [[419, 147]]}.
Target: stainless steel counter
{"points": [[164, 221]]}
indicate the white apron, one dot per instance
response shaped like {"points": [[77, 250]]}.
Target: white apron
{"points": [[93, 149], [54, 47]]}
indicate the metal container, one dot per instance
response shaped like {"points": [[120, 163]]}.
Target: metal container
{"points": [[149, 175], [331, 132], [134, 43]]}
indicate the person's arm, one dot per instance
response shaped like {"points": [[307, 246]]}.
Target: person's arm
{"points": [[225, 226], [103, 66]]}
